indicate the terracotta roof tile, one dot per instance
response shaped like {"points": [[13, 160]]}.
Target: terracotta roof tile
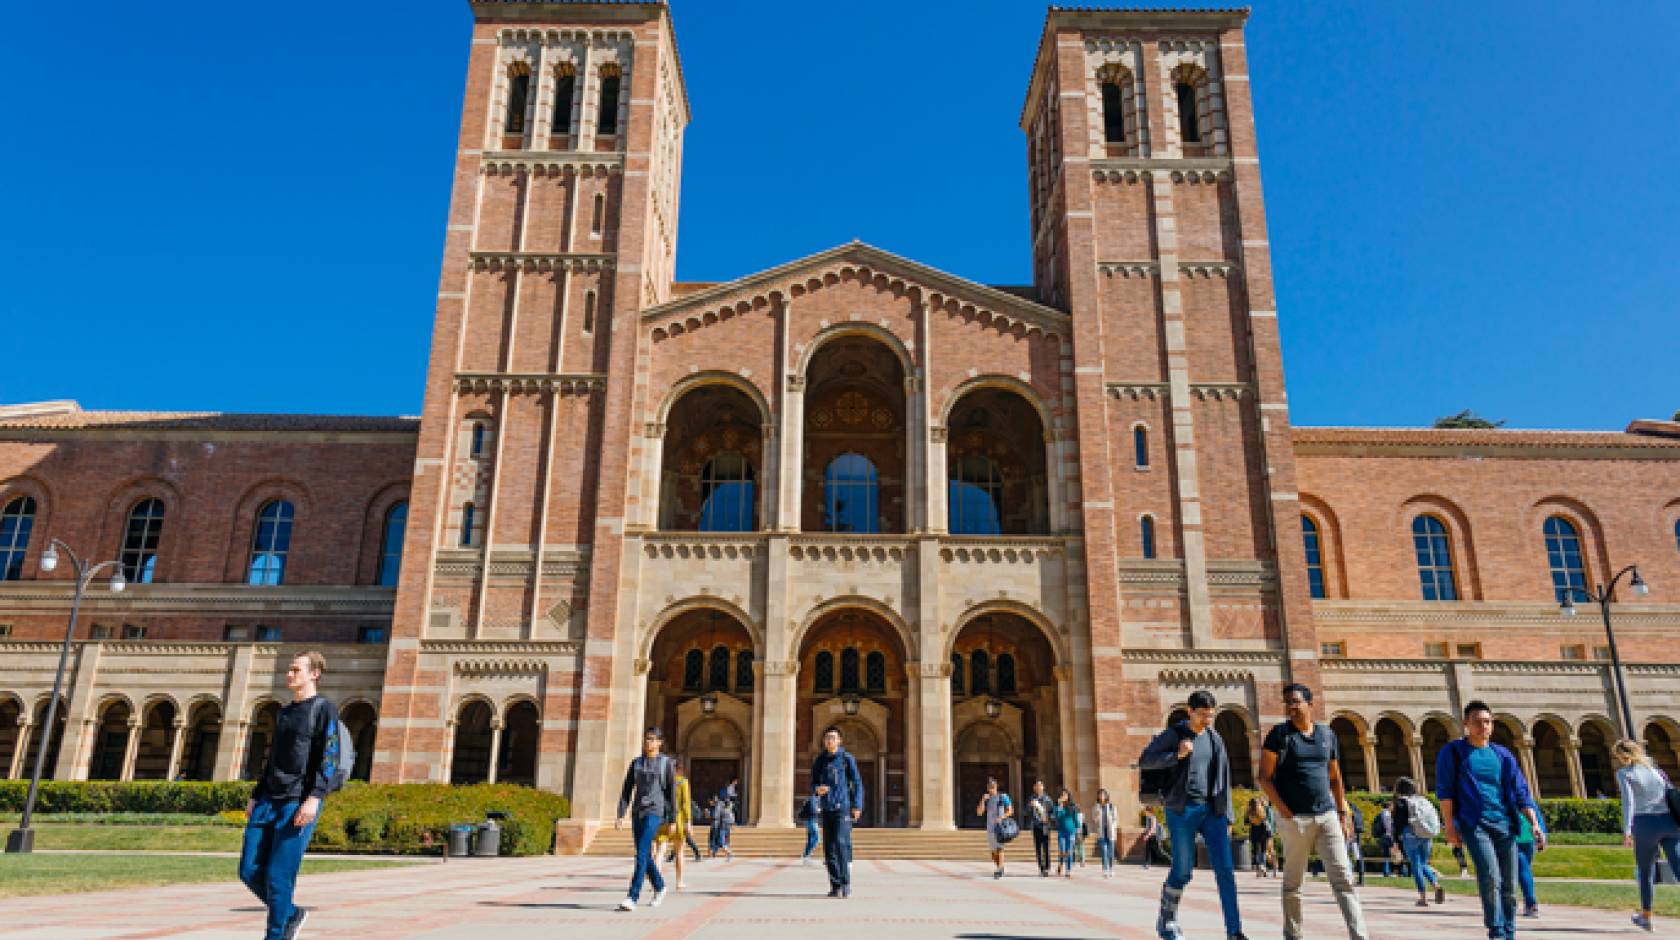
{"points": [[1470, 437], [207, 421]]}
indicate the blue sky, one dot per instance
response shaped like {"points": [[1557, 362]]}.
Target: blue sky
{"points": [[240, 207]]}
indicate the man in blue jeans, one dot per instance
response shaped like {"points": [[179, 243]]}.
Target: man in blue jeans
{"points": [[287, 799], [650, 788], [1198, 803], [838, 790], [1484, 798]]}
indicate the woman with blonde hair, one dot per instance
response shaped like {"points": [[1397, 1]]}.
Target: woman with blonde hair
{"points": [[1259, 816], [1646, 821]]}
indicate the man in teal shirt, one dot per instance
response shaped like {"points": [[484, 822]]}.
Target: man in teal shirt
{"points": [[1484, 796]]}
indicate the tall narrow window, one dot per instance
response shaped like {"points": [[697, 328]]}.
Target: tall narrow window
{"points": [[1114, 117], [979, 673], [726, 494], [16, 521], [851, 492], [1434, 559], [956, 674], [1146, 535], [1140, 446], [1006, 674], [976, 496], [607, 123], [1563, 556], [467, 513], [850, 680], [519, 89], [271, 543], [694, 670], [390, 544], [822, 672], [477, 440], [1677, 534], [717, 673], [744, 671], [599, 216], [589, 311], [875, 672], [1315, 556], [565, 88], [140, 541], [1189, 127]]}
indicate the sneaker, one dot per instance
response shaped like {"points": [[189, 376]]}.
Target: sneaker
{"points": [[1440, 895], [846, 891], [680, 884], [834, 892], [1531, 910], [294, 927], [658, 898], [1643, 922], [628, 904], [997, 874], [1423, 902]]}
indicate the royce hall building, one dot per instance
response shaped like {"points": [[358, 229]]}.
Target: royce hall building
{"points": [[987, 530]]}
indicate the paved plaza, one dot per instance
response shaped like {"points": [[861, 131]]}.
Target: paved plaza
{"points": [[514, 899]]}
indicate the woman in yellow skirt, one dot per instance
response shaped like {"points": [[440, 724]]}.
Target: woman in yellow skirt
{"points": [[674, 833]]}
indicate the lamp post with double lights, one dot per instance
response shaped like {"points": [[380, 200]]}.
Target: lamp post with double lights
{"points": [[1604, 594], [22, 839]]}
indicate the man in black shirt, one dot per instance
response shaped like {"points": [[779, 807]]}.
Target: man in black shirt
{"points": [[1300, 773], [650, 788], [1040, 810], [281, 814]]}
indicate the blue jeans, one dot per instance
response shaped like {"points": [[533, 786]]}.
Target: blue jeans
{"points": [[1064, 850], [1105, 849], [837, 847], [270, 857], [812, 835], [1652, 831], [1494, 854], [1525, 872], [644, 828], [1417, 856], [1216, 832], [1383, 845]]}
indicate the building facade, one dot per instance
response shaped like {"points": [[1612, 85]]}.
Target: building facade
{"points": [[986, 530]]}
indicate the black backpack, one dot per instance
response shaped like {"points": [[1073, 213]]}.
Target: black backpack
{"points": [[1154, 785]]}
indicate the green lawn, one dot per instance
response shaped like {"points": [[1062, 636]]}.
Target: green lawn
{"points": [[67, 874], [1598, 862], [1615, 897], [138, 838]]}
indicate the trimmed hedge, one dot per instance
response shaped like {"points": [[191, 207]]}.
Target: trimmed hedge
{"points": [[198, 798], [414, 819]]}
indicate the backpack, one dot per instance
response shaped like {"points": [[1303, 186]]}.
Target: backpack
{"points": [[1154, 785], [1421, 818], [338, 757]]}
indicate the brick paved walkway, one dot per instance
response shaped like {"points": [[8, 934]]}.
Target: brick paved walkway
{"points": [[515, 899]]}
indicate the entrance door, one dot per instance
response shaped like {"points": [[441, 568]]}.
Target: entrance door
{"points": [[707, 777], [868, 772], [971, 786]]}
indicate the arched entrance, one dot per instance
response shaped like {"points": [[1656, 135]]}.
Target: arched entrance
{"points": [[1232, 725], [853, 477], [700, 689], [1004, 695], [1551, 764], [851, 674], [995, 466], [37, 738], [157, 742], [1598, 772], [362, 722], [204, 732], [1435, 733], [1394, 759], [470, 760], [1351, 744], [516, 760], [11, 714], [264, 719], [1659, 743], [110, 742], [712, 462]]}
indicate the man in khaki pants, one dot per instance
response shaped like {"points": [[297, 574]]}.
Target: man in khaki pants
{"points": [[1299, 771]]}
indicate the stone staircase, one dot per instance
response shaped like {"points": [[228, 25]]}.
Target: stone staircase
{"points": [[754, 842]]}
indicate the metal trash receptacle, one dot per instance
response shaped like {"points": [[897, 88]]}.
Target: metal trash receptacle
{"points": [[488, 844], [461, 838]]}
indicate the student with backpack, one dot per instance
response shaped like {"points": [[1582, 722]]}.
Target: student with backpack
{"points": [[1106, 819], [1483, 793], [810, 817], [312, 756], [1067, 832], [1418, 824], [1001, 827], [650, 788], [1649, 821]]}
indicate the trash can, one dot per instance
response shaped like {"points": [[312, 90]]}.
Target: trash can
{"points": [[460, 839], [489, 841]]}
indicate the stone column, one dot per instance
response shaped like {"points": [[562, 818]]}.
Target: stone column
{"points": [[938, 757], [793, 455], [495, 748], [938, 504], [178, 739], [25, 726], [236, 712], [1414, 753], [1577, 780], [776, 752], [770, 490], [918, 473], [1066, 719], [1368, 745], [132, 749], [1525, 761]]}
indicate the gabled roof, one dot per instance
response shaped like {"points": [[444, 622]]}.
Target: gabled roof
{"points": [[796, 276]]}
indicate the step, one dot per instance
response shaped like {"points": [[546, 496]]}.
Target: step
{"points": [[754, 842]]}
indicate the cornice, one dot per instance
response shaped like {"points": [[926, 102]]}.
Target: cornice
{"points": [[531, 383], [36, 435], [1202, 391], [1201, 19], [571, 262], [1176, 169], [501, 648], [219, 599], [551, 162], [1231, 658], [562, 564], [336, 652]]}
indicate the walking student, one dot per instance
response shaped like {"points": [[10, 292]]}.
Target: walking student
{"points": [[1525, 867], [811, 818], [1259, 816], [650, 789], [303, 767], [723, 824], [1483, 793], [1041, 814], [839, 792], [1646, 822], [1106, 819], [1067, 831], [1418, 824], [1300, 774], [1152, 850], [680, 821], [1197, 803], [1356, 844], [1382, 829], [995, 808]]}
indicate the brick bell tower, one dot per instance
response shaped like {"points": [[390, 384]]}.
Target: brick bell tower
{"points": [[562, 227], [1149, 228]]}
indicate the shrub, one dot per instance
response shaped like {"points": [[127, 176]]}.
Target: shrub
{"points": [[199, 798], [412, 819], [1572, 815]]}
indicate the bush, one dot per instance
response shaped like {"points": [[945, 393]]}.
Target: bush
{"points": [[1572, 815], [198, 798], [414, 818]]}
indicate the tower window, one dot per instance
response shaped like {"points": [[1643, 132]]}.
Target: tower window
{"points": [[467, 513], [140, 542], [1434, 559], [1114, 116], [694, 668], [1189, 128], [390, 544], [1315, 556], [589, 311], [519, 89], [717, 673], [607, 123], [599, 216], [565, 88], [822, 673], [849, 678], [1140, 447], [477, 449], [1563, 556], [1146, 534]]}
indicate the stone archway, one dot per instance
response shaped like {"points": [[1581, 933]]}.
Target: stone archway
{"points": [[714, 748], [986, 747], [702, 666], [110, 741], [516, 755], [1003, 662], [852, 668], [1232, 725], [712, 473], [1351, 744], [1598, 770], [204, 732], [11, 718], [474, 731], [997, 480], [1551, 762], [1393, 750], [1660, 744], [854, 476], [362, 721], [264, 719], [1434, 735], [154, 753]]}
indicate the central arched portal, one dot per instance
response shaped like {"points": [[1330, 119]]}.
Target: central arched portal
{"points": [[1005, 713], [701, 683], [851, 676]]}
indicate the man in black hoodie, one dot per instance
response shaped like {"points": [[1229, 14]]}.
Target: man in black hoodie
{"points": [[281, 814]]}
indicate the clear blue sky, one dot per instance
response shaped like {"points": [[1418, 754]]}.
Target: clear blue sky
{"points": [[240, 207]]}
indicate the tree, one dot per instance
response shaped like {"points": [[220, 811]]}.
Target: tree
{"points": [[1676, 416], [1467, 419]]}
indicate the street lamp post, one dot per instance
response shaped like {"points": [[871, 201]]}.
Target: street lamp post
{"points": [[1605, 593], [22, 839]]}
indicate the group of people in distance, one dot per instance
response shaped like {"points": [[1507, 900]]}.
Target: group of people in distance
{"points": [[1044, 816]]}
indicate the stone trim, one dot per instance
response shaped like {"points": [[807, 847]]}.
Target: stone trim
{"points": [[533, 383], [570, 262], [553, 163], [1230, 658], [205, 599]]}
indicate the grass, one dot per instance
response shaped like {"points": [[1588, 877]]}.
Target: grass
{"points": [[1613, 897], [126, 819], [1595, 862], [132, 838], [67, 874]]}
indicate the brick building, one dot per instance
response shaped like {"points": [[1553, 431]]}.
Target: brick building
{"points": [[985, 529]]}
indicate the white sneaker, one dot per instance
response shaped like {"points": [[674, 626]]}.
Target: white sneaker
{"points": [[680, 884], [627, 905], [658, 898]]}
